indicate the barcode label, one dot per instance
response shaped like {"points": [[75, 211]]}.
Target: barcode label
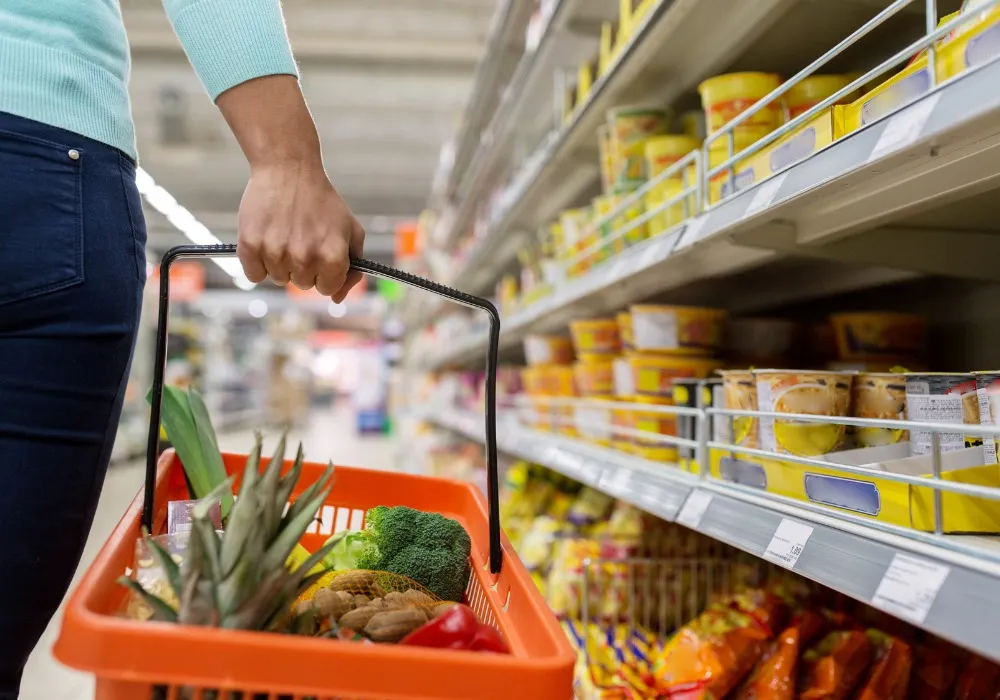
{"points": [[909, 587], [788, 542]]}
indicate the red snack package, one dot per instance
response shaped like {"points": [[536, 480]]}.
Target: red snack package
{"points": [[835, 665], [935, 669], [978, 680], [889, 676], [773, 677]]}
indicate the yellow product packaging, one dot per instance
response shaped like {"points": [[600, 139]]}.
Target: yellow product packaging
{"points": [[590, 506], [654, 374], [672, 215], [661, 152], [810, 91], [575, 223], [606, 51], [584, 82], [718, 153], [565, 580], [882, 396], [724, 97], [907, 85], [654, 423], [598, 336], [739, 389], [806, 392], [677, 330], [814, 135], [537, 545], [607, 158], [631, 126]]}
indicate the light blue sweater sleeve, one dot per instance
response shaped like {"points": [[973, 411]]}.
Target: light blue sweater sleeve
{"points": [[232, 41]]}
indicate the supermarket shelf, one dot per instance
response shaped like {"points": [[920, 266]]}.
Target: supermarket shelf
{"points": [[646, 485], [569, 37], [504, 43], [667, 57], [841, 205], [857, 560]]}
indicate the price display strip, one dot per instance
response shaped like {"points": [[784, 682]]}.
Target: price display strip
{"points": [[910, 586], [694, 508], [788, 542]]}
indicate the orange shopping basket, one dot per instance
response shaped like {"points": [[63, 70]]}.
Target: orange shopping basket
{"points": [[160, 661]]}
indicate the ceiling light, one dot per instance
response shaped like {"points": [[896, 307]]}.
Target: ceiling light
{"points": [[257, 308], [337, 310], [185, 222]]}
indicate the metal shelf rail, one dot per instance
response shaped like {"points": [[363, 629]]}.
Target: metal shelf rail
{"points": [[945, 583]]}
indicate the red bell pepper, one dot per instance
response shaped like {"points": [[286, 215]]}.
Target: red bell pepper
{"points": [[457, 628]]}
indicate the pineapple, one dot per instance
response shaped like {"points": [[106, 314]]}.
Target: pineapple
{"points": [[240, 580]]}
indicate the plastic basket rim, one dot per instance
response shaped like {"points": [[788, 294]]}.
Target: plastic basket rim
{"points": [[78, 615]]}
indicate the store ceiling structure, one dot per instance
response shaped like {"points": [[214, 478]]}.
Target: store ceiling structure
{"points": [[386, 81]]}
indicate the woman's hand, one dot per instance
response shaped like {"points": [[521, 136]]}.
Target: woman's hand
{"points": [[293, 226]]}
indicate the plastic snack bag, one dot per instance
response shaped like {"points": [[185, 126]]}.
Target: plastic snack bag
{"points": [[835, 666], [774, 676], [935, 669], [979, 680], [889, 676]]}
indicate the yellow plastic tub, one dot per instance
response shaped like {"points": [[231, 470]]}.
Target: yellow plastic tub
{"points": [[806, 392], [811, 91], [574, 224], [594, 378], [880, 395], [631, 126], [547, 350], [599, 336], [678, 330], [624, 320], [739, 389], [594, 423], [671, 215], [663, 151], [726, 96], [654, 374], [657, 423], [877, 335]]}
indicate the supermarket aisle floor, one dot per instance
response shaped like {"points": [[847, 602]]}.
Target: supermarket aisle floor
{"points": [[330, 435]]}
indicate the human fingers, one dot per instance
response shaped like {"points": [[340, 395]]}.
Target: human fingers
{"points": [[332, 266], [357, 250], [249, 253], [276, 260]]}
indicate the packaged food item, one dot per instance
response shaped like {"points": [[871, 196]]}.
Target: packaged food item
{"points": [[879, 335], [724, 97], [693, 124], [715, 651], [595, 378], [881, 396], [533, 379], [537, 544], [739, 389], [547, 350], [877, 366], [678, 330], [979, 678], [809, 92], [835, 666], [589, 507], [575, 223], [988, 392], [661, 152], [624, 220], [941, 397], [667, 217], [654, 423], [719, 185], [593, 422], [608, 165], [624, 320], [808, 393], [889, 675], [774, 676], [935, 668], [768, 342], [565, 579], [599, 337], [654, 374], [179, 516], [630, 127]]}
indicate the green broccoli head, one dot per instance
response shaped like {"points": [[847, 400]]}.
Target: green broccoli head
{"points": [[427, 547], [438, 570]]}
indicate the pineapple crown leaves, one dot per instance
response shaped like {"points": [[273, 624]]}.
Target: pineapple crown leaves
{"points": [[241, 581]]}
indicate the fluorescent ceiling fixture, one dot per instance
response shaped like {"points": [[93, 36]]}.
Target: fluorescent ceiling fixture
{"points": [[185, 222], [337, 310], [257, 308]]}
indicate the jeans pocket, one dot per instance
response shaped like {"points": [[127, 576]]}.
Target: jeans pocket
{"points": [[41, 217]]}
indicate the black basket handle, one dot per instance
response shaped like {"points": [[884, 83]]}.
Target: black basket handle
{"points": [[368, 267]]}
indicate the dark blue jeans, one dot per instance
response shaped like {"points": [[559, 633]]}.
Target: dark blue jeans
{"points": [[72, 269]]}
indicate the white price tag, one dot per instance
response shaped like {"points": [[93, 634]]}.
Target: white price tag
{"points": [[764, 194], [909, 587], [694, 508], [692, 232], [904, 128], [788, 542]]}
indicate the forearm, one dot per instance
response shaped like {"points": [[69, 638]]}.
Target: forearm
{"points": [[271, 122]]}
